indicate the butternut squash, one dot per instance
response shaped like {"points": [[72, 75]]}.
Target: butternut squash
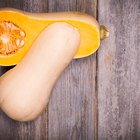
{"points": [[25, 89], [18, 31]]}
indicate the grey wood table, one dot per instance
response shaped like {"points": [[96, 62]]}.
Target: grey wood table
{"points": [[98, 97]]}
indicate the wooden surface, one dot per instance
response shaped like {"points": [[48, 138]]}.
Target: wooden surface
{"points": [[96, 98], [119, 71]]}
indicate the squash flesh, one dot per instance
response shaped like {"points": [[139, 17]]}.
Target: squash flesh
{"points": [[11, 38], [90, 37]]}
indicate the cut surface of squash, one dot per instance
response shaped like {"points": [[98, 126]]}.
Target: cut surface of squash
{"points": [[18, 31], [11, 38]]}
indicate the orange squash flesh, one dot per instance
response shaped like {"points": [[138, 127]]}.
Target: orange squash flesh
{"points": [[11, 38], [33, 24]]}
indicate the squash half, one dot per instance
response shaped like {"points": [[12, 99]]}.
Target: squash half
{"points": [[19, 29]]}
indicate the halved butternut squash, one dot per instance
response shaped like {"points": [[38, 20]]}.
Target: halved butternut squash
{"points": [[18, 31]]}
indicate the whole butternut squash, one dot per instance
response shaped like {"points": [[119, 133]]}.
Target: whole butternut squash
{"points": [[25, 89]]}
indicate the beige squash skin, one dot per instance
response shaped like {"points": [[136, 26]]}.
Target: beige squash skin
{"points": [[25, 89]]}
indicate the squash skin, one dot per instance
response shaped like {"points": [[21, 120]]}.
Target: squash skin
{"points": [[25, 90], [34, 23]]}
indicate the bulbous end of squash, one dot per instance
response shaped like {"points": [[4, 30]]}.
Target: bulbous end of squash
{"points": [[18, 31]]}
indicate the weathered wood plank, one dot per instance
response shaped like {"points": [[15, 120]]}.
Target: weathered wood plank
{"points": [[9, 129], [72, 109], [14, 3], [119, 71]]}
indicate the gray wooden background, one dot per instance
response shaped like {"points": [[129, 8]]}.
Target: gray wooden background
{"points": [[98, 97]]}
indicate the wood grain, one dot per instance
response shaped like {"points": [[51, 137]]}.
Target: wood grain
{"points": [[119, 71], [72, 109]]}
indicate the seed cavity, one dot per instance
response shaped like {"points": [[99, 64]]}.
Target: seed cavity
{"points": [[12, 38]]}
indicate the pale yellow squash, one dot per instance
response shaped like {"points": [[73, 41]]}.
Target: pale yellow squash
{"points": [[25, 89]]}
